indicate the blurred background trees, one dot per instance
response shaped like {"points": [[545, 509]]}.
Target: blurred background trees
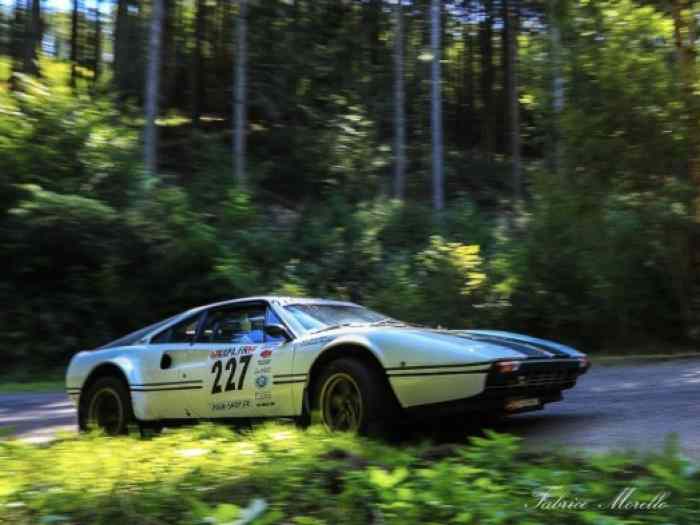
{"points": [[504, 163]]}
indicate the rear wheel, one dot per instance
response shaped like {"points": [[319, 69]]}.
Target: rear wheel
{"points": [[352, 396], [106, 406]]}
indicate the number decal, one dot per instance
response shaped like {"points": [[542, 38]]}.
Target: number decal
{"points": [[246, 361], [216, 387], [231, 365]]}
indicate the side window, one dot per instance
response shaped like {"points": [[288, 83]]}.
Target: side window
{"points": [[236, 325], [182, 332]]}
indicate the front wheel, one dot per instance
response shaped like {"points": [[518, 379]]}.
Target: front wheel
{"points": [[106, 406], [351, 396]]}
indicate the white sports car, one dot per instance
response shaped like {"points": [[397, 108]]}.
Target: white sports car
{"points": [[346, 366]]}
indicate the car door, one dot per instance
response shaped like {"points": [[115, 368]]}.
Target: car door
{"points": [[175, 375], [240, 361]]}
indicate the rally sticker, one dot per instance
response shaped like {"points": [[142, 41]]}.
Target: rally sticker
{"points": [[231, 352], [230, 405]]}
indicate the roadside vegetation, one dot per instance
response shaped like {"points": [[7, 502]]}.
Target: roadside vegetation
{"points": [[32, 380], [98, 261], [278, 474], [568, 134]]}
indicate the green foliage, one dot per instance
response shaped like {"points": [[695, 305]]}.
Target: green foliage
{"points": [[598, 251], [602, 263], [67, 144], [275, 473]]}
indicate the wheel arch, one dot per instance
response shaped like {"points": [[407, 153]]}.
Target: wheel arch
{"points": [[105, 369], [354, 350]]}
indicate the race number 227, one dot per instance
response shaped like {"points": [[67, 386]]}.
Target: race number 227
{"points": [[231, 366]]}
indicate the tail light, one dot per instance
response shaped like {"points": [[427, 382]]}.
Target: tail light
{"points": [[584, 362]]}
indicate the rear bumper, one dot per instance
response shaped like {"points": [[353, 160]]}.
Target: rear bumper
{"points": [[543, 380]]}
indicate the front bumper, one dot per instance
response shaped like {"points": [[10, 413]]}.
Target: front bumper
{"points": [[536, 379]]}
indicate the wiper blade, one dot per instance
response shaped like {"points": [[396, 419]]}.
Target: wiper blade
{"points": [[387, 321], [333, 327]]}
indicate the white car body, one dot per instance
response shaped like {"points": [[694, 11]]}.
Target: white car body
{"points": [[424, 367]]}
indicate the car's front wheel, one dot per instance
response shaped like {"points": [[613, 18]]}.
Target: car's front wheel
{"points": [[351, 396], [106, 405]]}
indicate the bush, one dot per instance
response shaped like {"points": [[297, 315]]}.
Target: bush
{"points": [[600, 268], [209, 474]]}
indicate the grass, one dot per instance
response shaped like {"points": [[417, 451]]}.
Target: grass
{"points": [[277, 473]]}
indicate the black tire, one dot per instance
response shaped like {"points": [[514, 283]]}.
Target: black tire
{"points": [[370, 411], [106, 405]]}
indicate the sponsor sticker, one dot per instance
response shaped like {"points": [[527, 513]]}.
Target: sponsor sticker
{"points": [[262, 381], [316, 341], [263, 362], [231, 352], [267, 352], [263, 370], [230, 405], [261, 396]]}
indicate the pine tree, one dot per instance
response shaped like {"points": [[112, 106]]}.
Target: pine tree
{"points": [[152, 88], [436, 106], [399, 110], [239, 96]]}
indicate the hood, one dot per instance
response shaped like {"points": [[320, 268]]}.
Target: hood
{"points": [[530, 347], [453, 346]]}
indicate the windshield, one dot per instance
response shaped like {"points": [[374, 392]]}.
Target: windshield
{"points": [[318, 316]]}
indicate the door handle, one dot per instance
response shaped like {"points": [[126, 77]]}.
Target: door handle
{"points": [[166, 361]]}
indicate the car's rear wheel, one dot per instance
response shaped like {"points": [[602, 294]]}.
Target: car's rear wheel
{"points": [[106, 406], [352, 396]]}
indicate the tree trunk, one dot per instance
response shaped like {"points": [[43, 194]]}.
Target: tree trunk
{"points": [[198, 65], [513, 106], [152, 88], [467, 113], [684, 33], [436, 106], [487, 78], [399, 110], [97, 59], [504, 99], [74, 44], [17, 36], [239, 97], [32, 41], [557, 156], [168, 58], [121, 33], [684, 21]]}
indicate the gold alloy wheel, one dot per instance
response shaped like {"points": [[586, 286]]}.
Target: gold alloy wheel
{"points": [[106, 411], [341, 403]]}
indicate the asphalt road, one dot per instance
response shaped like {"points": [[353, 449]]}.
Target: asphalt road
{"points": [[612, 407]]}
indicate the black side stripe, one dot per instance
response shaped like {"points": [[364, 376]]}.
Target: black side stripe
{"points": [[459, 373], [289, 382], [289, 375], [486, 363], [164, 389], [169, 383]]}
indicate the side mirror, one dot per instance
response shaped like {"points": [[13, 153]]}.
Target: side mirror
{"points": [[277, 330]]}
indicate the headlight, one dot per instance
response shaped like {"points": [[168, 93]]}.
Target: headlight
{"points": [[506, 367]]}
